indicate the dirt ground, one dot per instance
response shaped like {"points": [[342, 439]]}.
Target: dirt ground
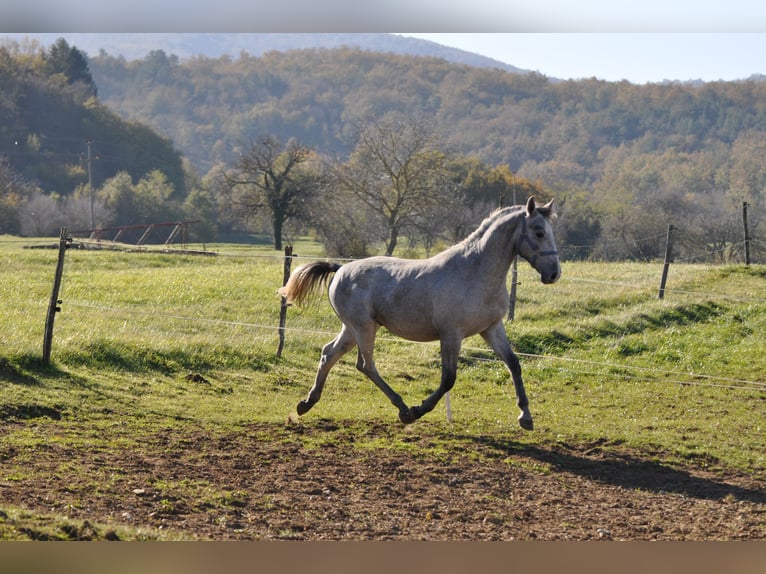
{"points": [[310, 482]]}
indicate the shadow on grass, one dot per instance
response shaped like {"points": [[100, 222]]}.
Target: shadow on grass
{"points": [[111, 355], [595, 462], [30, 370], [625, 470], [29, 411], [22, 370]]}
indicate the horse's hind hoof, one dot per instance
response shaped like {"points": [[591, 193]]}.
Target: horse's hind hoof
{"points": [[303, 407], [408, 416], [526, 422]]}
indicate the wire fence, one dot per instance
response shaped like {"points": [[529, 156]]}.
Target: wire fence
{"points": [[695, 246], [682, 378], [702, 254], [564, 364]]}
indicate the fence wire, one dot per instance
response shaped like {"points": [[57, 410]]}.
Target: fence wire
{"points": [[644, 373], [694, 379]]}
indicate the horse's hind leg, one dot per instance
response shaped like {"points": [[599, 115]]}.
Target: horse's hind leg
{"points": [[331, 352], [498, 340], [366, 365]]}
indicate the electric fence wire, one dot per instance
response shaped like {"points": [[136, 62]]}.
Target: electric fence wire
{"points": [[695, 379]]}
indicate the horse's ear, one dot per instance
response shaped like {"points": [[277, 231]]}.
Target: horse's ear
{"points": [[531, 205], [548, 209]]}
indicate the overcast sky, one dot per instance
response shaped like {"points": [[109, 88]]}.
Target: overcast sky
{"points": [[636, 57]]}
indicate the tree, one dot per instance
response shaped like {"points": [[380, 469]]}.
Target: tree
{"points": [[498, 186], [148, 201], [79, 205], [579, 227], [398, 173], [71, 63], [14, 191], [200, 206], [41, 215], [340, 223], [269, 177], [153, 194], [118, 195]]}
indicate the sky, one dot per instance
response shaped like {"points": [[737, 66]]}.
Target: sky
{"points": [[640, 41], [636, 57]]}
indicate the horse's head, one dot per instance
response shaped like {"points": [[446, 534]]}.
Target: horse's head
{"points": [[535, 242]]}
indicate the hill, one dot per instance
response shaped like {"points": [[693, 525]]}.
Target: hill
{"points": [[58, 142], [136, 46], [613, 153]]}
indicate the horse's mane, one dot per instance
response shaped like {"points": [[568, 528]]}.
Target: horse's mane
{"points": [[475, 237]]}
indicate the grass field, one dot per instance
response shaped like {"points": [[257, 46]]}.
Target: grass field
{"points": [[147, 342]]}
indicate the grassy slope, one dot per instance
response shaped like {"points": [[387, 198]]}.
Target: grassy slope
{"points": [[605, 360]]}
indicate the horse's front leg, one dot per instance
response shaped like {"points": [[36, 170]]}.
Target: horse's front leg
{"points": [[450, 350], [498, 340]]}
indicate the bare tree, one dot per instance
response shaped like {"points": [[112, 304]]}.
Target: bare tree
{"points": [[14, 191], [41, 216], [268, 177], [341, 223], [397, 171]]}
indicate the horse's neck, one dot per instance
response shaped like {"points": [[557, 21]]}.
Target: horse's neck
{"points": [[495, 248], [500, 247]]}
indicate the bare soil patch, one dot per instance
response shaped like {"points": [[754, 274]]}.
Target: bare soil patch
{"points": [[317, 481]]}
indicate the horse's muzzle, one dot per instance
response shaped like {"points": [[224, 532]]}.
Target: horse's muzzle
{"points": [[551, 271], [551, 278]]}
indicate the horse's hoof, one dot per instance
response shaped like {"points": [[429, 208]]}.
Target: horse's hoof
{"points": [[303, 407], [526, 422], [408, 416]]}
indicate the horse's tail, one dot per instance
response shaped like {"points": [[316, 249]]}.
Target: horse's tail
{"points": [[306, 280]]}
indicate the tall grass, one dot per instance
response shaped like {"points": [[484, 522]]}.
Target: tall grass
{"points": [[151, 339]]}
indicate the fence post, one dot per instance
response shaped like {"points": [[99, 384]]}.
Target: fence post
{"points": [[668, 259], [747, 233], [283, 307], [512, 297], [53, 306]]}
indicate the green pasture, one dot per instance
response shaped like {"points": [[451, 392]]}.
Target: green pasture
{"points": [[148, 340]]}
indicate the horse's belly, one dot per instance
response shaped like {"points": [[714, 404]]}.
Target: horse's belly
{"points": [[425, 325], [411, 330], [413, 322]]}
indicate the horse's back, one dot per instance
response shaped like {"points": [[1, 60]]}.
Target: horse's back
{"points": [[384, 290], [420, 300]]}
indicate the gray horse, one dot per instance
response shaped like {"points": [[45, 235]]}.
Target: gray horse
{"points": [[455, 294]]}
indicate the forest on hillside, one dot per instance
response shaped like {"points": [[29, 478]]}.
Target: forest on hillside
{"points": [[57, 139], [624, 161]]}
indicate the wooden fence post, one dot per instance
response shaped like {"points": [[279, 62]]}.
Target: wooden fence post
{"points": [[53, 306], [747, 233], [283, 308], [668, 259]]}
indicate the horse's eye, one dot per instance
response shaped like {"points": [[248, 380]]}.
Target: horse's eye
{"points": [[540, 234]]}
